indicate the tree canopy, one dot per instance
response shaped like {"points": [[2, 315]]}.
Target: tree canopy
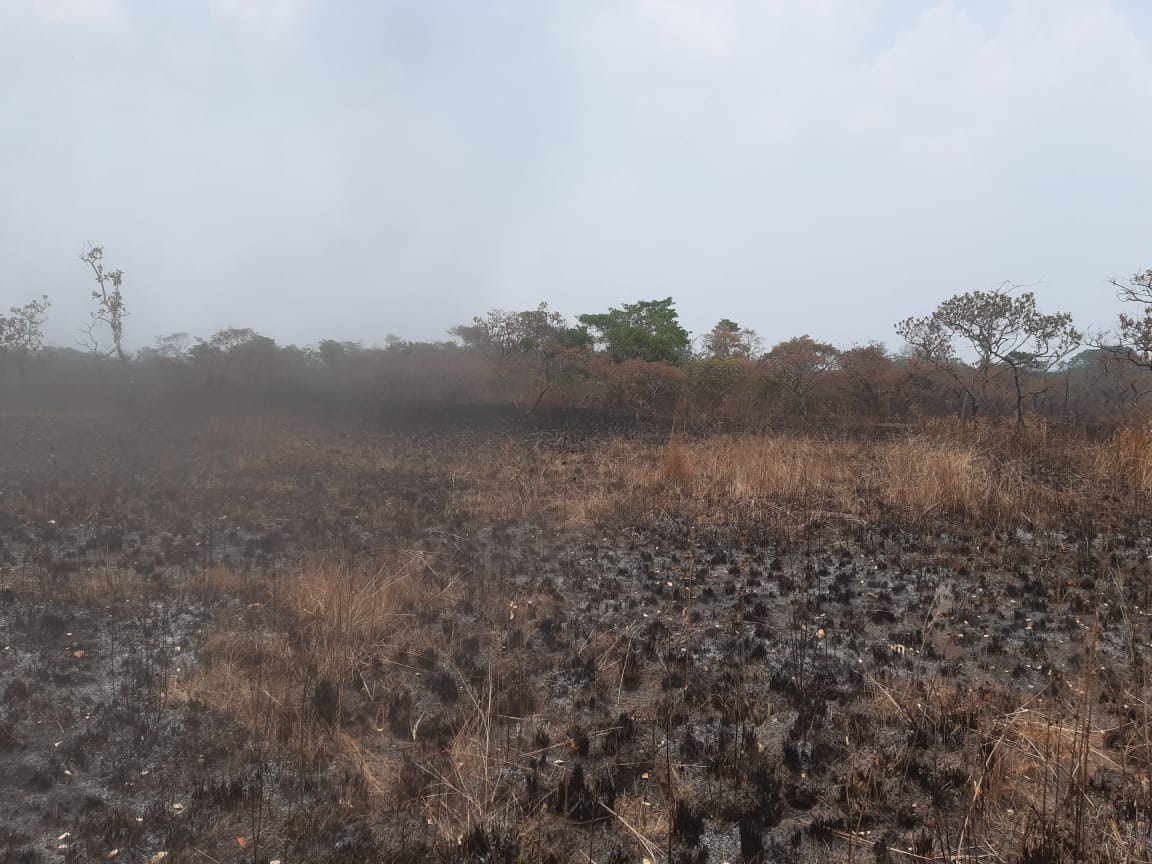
{"points": [[1006, 332], [729, 341], [645, 330]]}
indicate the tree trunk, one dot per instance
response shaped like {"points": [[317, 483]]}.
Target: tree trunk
{"points": [[1019, 398]]}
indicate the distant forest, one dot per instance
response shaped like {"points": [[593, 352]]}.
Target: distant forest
{"points": [[984, 354]]}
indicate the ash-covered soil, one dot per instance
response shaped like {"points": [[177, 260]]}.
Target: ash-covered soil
{"points": [[660, 686]]}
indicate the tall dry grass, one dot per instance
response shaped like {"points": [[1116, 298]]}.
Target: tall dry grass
{"points": [[1126, 459], [321, 627], [748, 479]]}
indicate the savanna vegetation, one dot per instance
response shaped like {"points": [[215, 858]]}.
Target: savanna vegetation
{"points": [[578, 591]]}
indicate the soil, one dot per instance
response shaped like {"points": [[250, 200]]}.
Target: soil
{"points": [[845, 691]]}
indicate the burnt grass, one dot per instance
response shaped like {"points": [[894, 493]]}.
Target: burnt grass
{"points": [[659, 686]]}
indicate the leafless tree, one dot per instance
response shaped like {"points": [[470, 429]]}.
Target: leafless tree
{"points": [[110, 309], [537, 337]]}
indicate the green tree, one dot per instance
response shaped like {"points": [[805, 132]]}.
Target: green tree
{"points": [[22, 332], [646, 330], [333, 352], [1008, 335], [230, 338]]}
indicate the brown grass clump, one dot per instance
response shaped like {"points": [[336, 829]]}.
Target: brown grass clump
{"points": [[283, 680], [1036, 783], [783, 469], [933, 478], [1126, 459], [1033, 753], [345, 614], [677, 467], [466, 789], [95, 586]]}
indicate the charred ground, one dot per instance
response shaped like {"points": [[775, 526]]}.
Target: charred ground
{"points": [[249, 639]]}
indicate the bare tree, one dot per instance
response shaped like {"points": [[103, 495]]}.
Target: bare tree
{"points": [[537, 337], [931, 344], [1008, 334], [110, 309]]}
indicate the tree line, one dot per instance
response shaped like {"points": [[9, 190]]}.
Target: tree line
{"points": [[982, 353]]}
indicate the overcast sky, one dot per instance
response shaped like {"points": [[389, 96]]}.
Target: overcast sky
{"points": [[346, 169]]}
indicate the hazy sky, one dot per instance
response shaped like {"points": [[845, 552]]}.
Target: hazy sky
{"points": [[346, 169]]}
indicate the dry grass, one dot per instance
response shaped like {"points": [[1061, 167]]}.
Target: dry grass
{"points": [[466, 788], [95, 586], [321, 628], [105, 583], [1030, 768], [345, 614], [1036, 784], [1126, 459], [734, 479], [984, 473], [1034, 752], [335, 618]]}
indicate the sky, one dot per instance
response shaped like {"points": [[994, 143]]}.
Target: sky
{"points": [[348, 169]]}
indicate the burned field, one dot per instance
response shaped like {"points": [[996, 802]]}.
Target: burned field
{"points": [[258, 639]]}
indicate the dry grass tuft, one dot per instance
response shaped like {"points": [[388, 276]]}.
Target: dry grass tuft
{"points": [[345, 614], [1034, 754], [677, 466], [1126, 459], [931, 478], [325, 624], [96, 586], [466, 788]]}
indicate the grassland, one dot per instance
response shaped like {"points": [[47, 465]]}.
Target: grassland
{"points": [[269, 638]]}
